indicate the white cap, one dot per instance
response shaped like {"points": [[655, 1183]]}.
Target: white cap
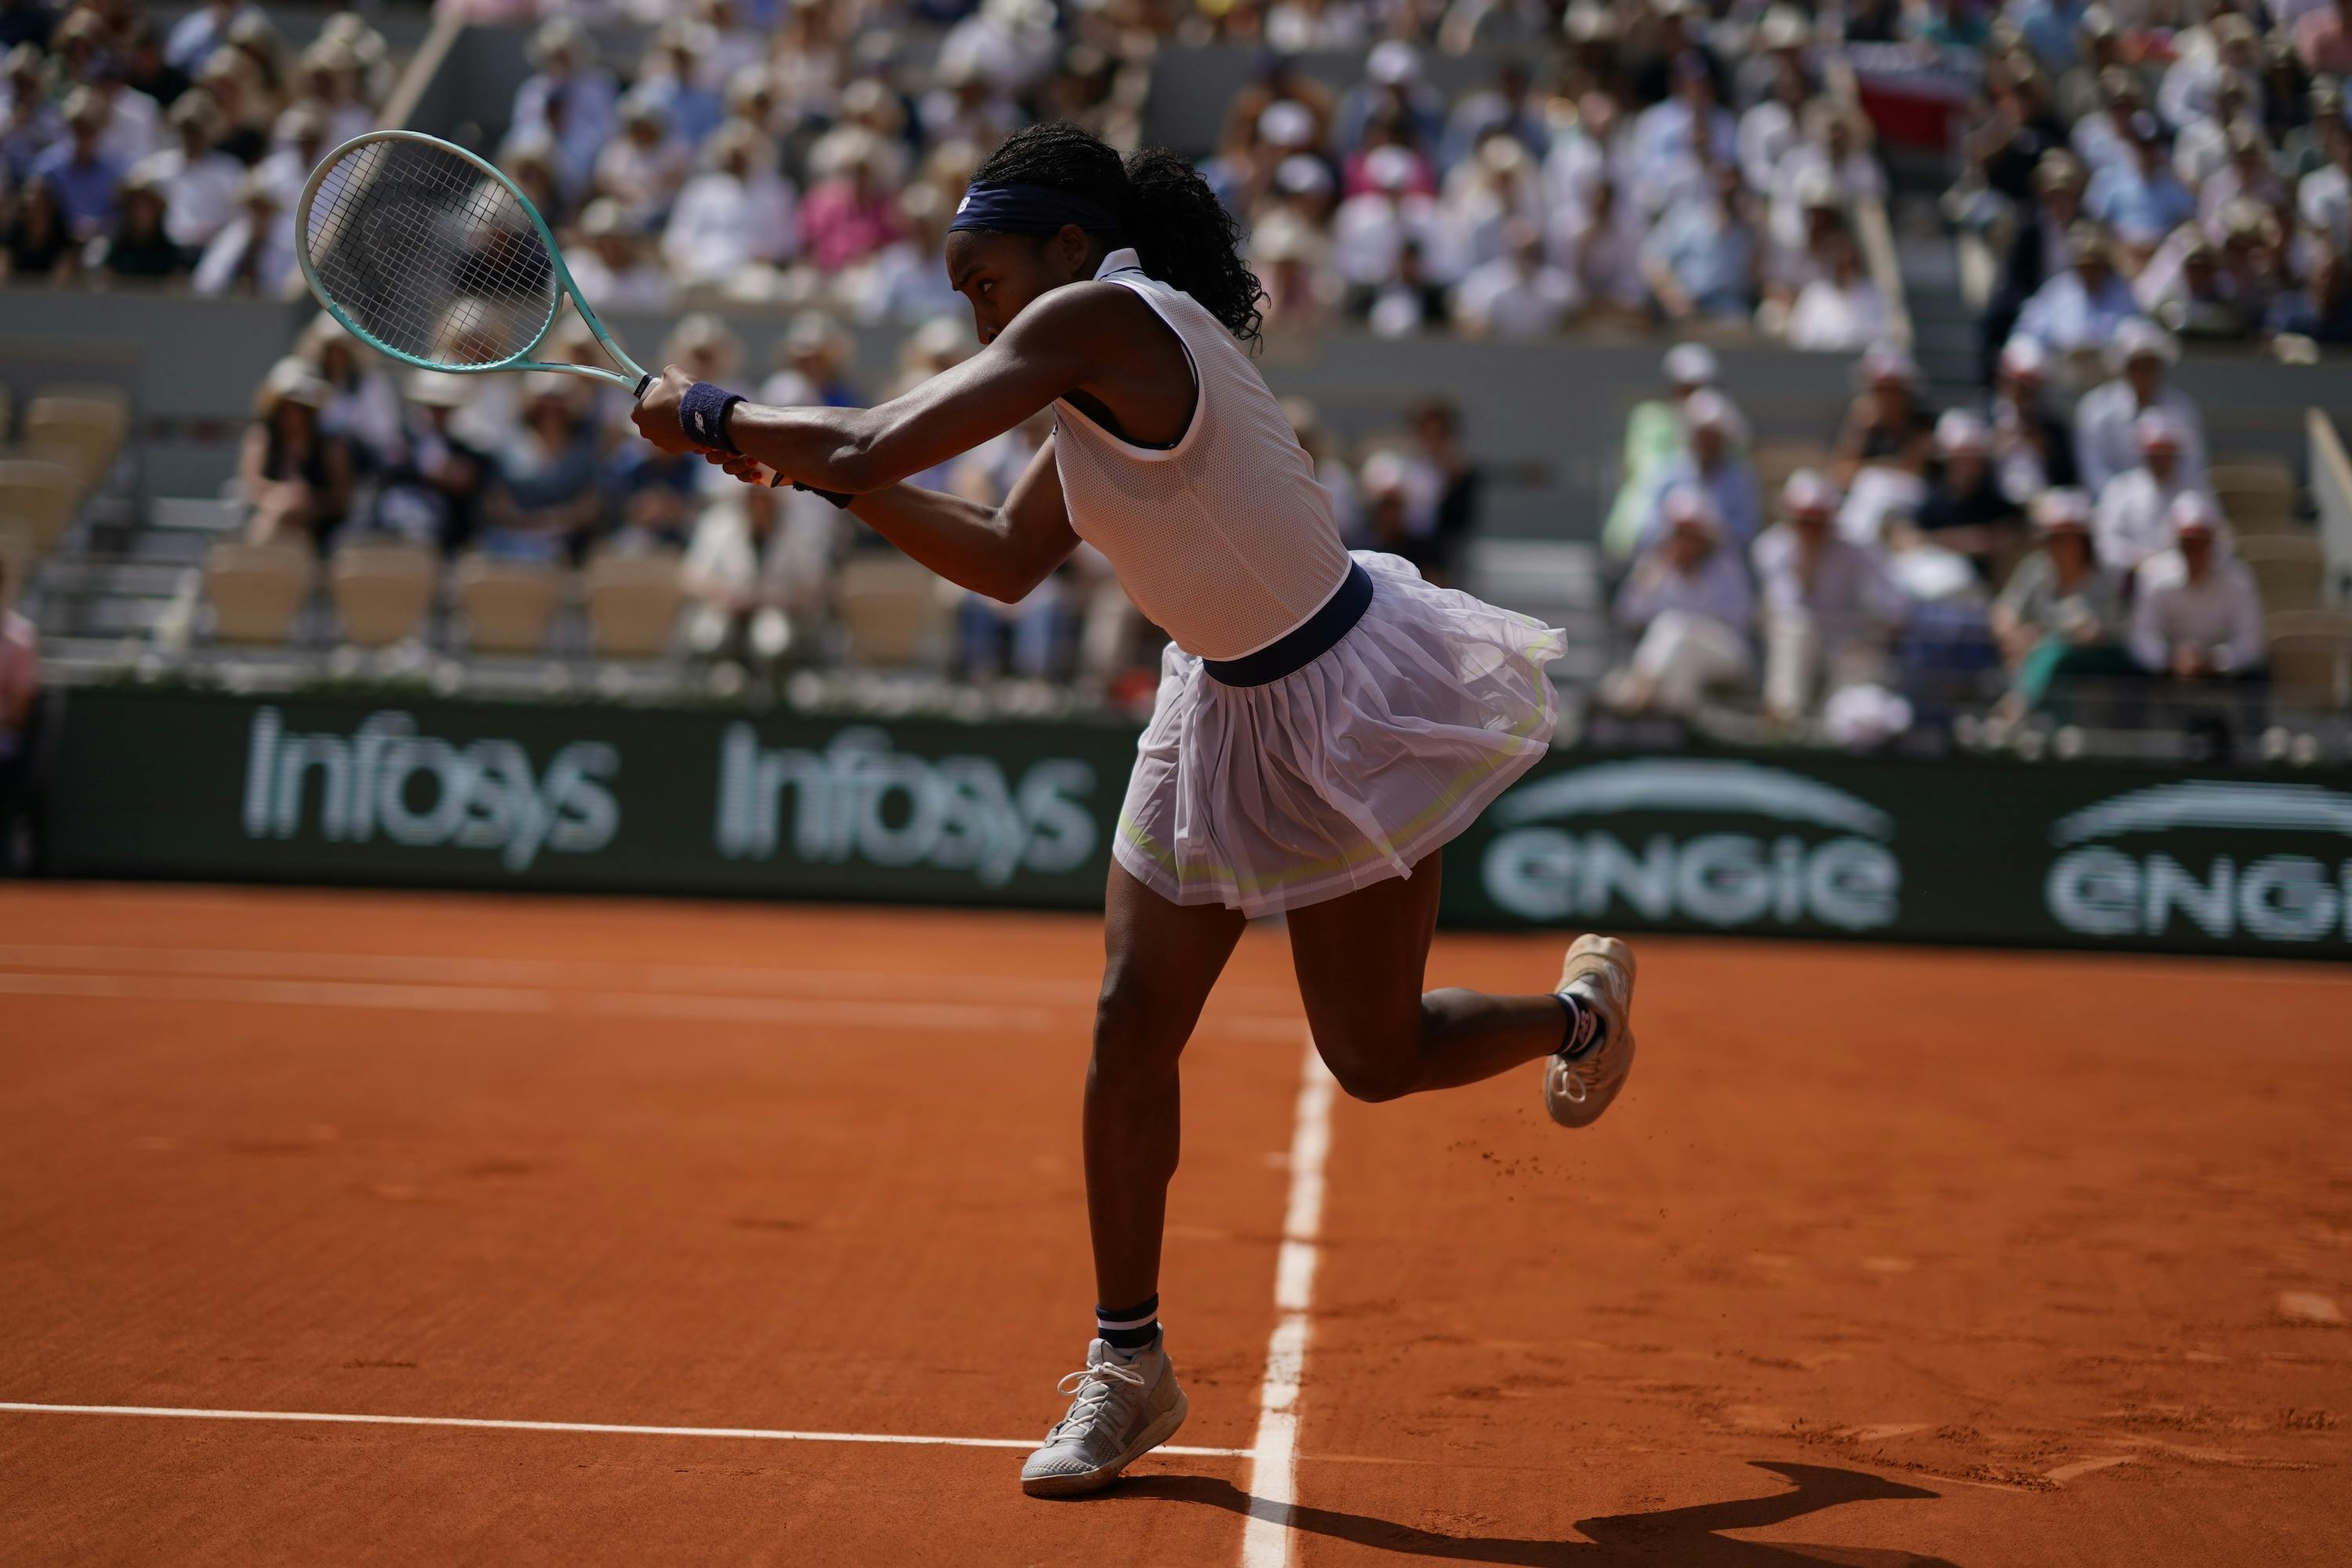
{"points": [[2024, 358], [2194, 512], [2157, 428], [2068, 506], [1807, 494], [1384, 474], [1391, 62], [1301, 174], [1685, 506], [1708, 409], [1390, 168], [2138, 337], [1692, 365], [1961, 431], [431, 389], [1287, 122], [1886, 363]]}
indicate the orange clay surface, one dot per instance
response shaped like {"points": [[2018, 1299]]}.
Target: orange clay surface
{"points": [[1886, 1257]]}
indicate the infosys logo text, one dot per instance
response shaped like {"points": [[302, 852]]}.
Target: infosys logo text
{"points": [[1724, 878], [423, 791], [2099, 889], [859, 799]]}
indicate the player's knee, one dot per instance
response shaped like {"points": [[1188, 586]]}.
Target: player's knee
{"points": [[1372, 1076], [1132, 1034]]}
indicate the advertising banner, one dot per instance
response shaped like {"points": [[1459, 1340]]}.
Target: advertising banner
{"points": [[444, 793]]}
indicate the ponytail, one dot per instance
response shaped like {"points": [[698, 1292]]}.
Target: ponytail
{"points": [[1182, 234]]}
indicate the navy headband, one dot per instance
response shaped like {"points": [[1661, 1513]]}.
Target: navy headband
{"points": [[1030, 209]]}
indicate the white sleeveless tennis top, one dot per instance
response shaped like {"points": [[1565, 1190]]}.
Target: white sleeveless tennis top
{"points": [[1225, 539]]}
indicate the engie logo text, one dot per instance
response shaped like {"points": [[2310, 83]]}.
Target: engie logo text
{"points": [[2185, 881], [422, 792], [1555, 860], [859, 799]]}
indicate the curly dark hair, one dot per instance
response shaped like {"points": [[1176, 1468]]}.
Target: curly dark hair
{"points": [[1180, 232]]}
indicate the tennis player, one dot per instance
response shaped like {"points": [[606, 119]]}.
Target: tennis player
{"points": [[1324, 724]]}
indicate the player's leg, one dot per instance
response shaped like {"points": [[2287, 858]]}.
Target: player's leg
{"points": [[1160, 961], [1360, 959]]}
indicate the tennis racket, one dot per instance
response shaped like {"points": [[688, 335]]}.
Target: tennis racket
{"points": [[432, 255]]}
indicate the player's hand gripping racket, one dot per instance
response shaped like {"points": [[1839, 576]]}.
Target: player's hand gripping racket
{"points": [[434, 256]]}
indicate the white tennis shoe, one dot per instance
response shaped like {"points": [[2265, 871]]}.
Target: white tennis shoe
{"points": [[1585, 1075], [1120, 1410]]}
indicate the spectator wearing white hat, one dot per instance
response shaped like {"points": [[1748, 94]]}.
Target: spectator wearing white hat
{"points": [[2061, 612], [1841, 310], [2032, 448], [1886, 424], [2079, 310], [615, 270], [736, 217], [1519, 296], [1370, 230], [1394, 84], [1655, 436], [1598, 246], [1829, 609], [1689, 602], [2138, 197], [432, 492], [2198, 615], [79, 168], [253, 252], [1964, 509], [644, 167], [2133, 520], [1700, 258], [2107, 439], [294, 474], [684, 77], [544, 499], [568, 98], [1714, 463]]}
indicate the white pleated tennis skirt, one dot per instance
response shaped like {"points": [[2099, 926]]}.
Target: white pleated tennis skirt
{"points": [[1347, 771]]}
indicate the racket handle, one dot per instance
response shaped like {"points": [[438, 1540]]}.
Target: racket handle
{"points": [[835, 497], [643, 382]]}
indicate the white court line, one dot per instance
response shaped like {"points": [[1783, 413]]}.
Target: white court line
{"points": [[405, 996], [756, 1434], [1273, 1453]]}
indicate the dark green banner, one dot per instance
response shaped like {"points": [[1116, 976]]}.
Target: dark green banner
{"points": [[429, 793]]}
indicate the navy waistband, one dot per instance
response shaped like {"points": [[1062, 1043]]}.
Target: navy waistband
{"points": [[1314, 638]]}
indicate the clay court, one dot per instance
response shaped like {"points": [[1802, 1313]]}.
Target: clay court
{"points": [[733, 1233]]}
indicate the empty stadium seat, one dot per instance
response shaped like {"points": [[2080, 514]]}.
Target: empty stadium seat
{"points": [[85, 432], [258, 591], [2288, 568], [2309, 655], [2257, 497], [631, 601], [16, 562], [509, 605], [382, 591], [37, 499], [891, 608]]}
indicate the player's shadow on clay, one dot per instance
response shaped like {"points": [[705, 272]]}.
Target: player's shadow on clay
{"points": [[1686, 1537]]}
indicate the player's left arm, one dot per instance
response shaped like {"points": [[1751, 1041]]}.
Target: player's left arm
{"points": [[1062, 341]]}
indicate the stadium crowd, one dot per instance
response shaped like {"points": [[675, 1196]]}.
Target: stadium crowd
{"points": [[1928, 557]]}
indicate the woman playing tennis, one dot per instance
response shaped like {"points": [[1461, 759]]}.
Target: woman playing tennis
{"points": [[1324, 723]]}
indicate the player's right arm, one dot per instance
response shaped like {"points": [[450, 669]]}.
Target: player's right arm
{"points": [[1003, 551]]}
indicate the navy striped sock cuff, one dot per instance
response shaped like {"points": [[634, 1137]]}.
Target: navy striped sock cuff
{"points": [[1129, 1327]]}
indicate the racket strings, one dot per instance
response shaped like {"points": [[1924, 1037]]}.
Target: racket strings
{"points": [[429, 255]]}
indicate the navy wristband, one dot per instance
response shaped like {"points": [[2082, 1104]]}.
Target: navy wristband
{"points": [[702, 415]]}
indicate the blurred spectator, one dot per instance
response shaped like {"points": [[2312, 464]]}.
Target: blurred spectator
{"points": [[2032, 448], [643, 167], [195, 36], [2323, 37], [1838, 311], [139, 247], [432, 491], [543, 500], [2061, 612], [2183, 287], [1700, 259], [83, 177], [2079, 310], [1828, 607], [812, 366], [1689, 602], [2106, 435], [1518, 295], [2198, 617], [738, 576], [2138, 196], [734, 218], [31, 125], [254, 253], [1372, 228], [1713, 462], [568, 99], [2134, 518], [233, 86], [301, 144], [199, 181], [1600, 251], [1964, 510], [616, 271], [681, 77], [1028, 636], [1445, 485], [1654, 432], [363, 405], [37, 243], [1886, 424], [850, 212], [296, 478]]}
